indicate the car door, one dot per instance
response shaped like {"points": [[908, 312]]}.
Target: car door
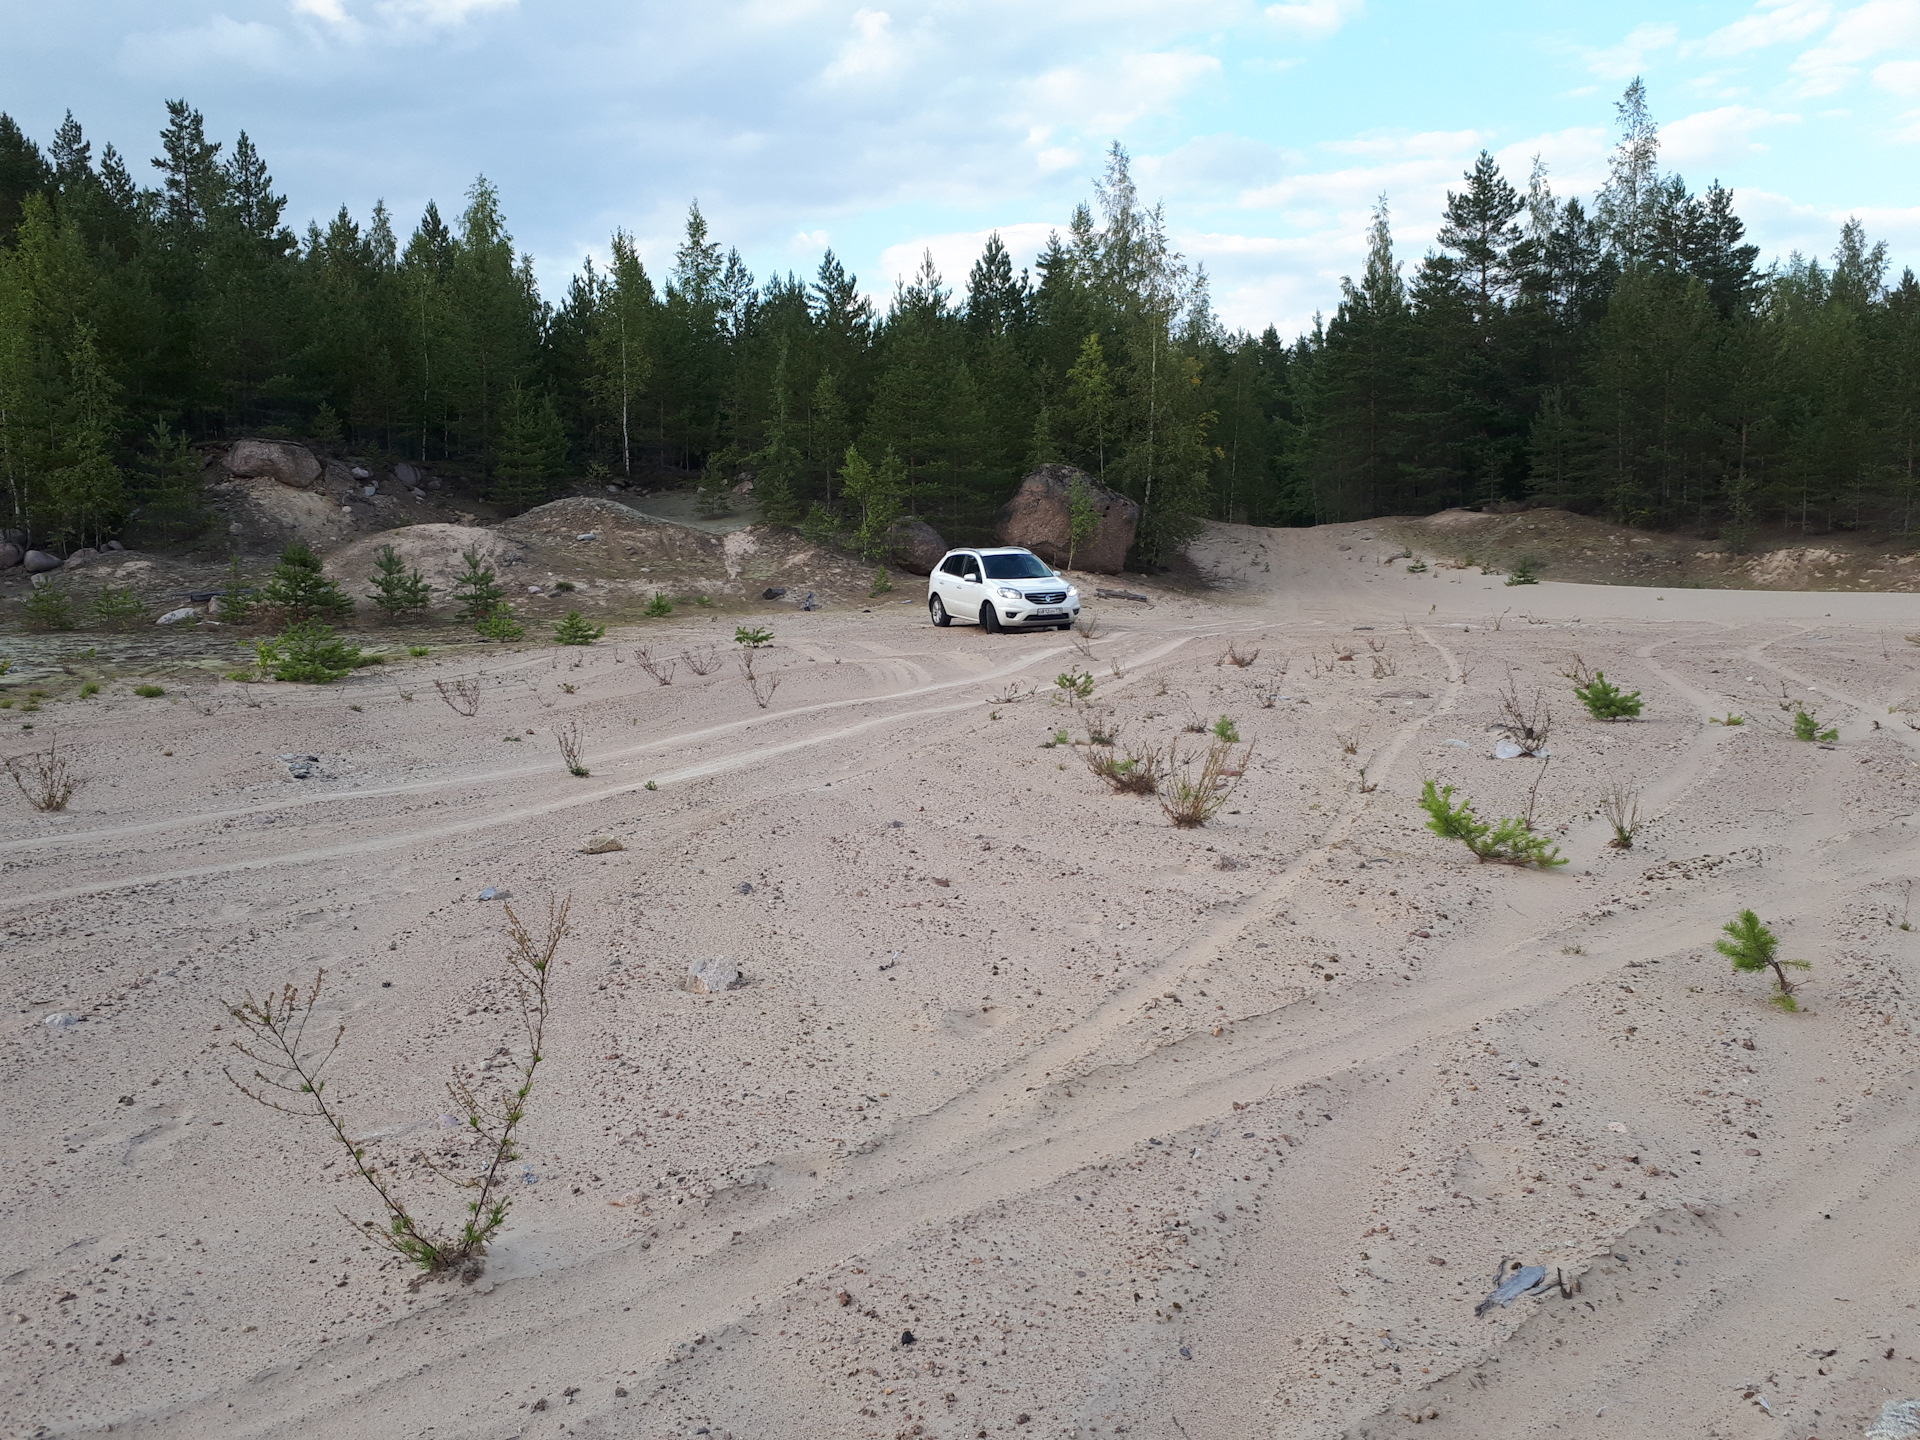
{"points": [[969, 588], [945, 576]]}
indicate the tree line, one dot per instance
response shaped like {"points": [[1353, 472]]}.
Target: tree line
{"points": [[1625, 356]]}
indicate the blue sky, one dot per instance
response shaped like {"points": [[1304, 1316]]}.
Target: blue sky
{"points": [[885, 128]]}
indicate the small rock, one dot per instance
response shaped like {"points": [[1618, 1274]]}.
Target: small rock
{"points": [[541, 1403], [60, 1020], [773, 592], [906, 1337], [602, 844], [844, 1298], [174, 617], [38, 562], [745, 887], [590, 535], [360, 472], [710, 977], [489, 893], [115, 545], [10, 554]]}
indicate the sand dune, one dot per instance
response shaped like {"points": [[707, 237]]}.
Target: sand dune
{"points": [[1135, 1130]]}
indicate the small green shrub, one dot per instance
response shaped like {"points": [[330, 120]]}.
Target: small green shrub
{"points": [[309, 653], [400, 592], [652, 786], [417, 651], [1509, 841], [563, 587], [1524, 572], [752, 636], [1225, 729], [1807, 727], [1752, 946], [576, 630], [1075, 685], [882, 583], [476, 588], [238, 600], [659, 605], [499, 624], [118, 609], [1418, 567], [1606, 701], [299, 590], [149, 692], [89, 689], [1728, 719], [50, 607]]}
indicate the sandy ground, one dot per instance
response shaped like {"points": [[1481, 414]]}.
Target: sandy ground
{"points": [[1136, 1130]]}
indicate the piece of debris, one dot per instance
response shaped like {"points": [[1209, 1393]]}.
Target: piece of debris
{"points": [[807, 604], [602, 843], [1527, 1280], [710, 977], [489, 893], [1133, 595], [773, 592]]}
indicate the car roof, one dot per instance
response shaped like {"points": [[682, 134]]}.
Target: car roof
{"points": [[991, 550]]}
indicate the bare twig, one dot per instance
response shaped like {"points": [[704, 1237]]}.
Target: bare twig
{"points": [[1621, 806], [660, 670], [702, 662], [762, 686], [463, 695], [573, 748], [44, 778]]}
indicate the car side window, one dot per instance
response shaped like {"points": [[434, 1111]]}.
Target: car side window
{"points": [[969, 568], [955, 564]]}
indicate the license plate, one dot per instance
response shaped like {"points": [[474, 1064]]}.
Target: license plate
{"points": [[1048, 614]]}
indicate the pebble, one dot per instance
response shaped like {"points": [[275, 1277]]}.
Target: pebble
{"points": [[174, 617], [60, 1020], [489, 893], [602, 844], [710, 977], [360, 472], [590, 535]]}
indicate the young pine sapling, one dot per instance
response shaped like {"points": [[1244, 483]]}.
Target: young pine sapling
{"points": [[1752, 946], [1508, 841], [1606, 701]]}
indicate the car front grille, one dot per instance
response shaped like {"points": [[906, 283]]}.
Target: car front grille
{"points": [[1045, 597]]}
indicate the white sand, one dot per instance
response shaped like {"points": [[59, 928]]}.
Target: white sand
{"points": [[1167, 1133]]}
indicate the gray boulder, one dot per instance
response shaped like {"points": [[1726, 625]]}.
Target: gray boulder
{"points": [[10, 554], [290, 464], [915, 546], [710, 977], [38, 562], [81, 557], [1040, 517], [407, 475]]}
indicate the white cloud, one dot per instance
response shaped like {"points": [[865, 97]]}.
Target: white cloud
{"points": [[220, 42], [1714, 137], [1316, 18], [874, 53], [329, 10], [1113, 93], [437, 12], [1773, 22], [955, 252], [1857, 36], [1629, 57], [1898, 77]]}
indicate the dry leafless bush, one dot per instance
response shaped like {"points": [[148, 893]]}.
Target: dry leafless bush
{"points": [[1384, 664], [1232, 656], [1135, 772], [463, 695], [1191, 800], [1349, 742], [45, 777], [1012, 694], [1529, 720], [1343, 650], [1102, 729], [573, 749], [1576, 670], [702, 662], [290, 1077], [660, 670], [1376, 646], [1621, 806], [762, 686]]}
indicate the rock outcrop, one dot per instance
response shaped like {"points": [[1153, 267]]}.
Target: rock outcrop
{"points": [[915, 546], [10, 554], [1040, 517], [290, 464]]}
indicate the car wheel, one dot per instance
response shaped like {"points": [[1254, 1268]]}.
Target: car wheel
{"points": [[989, 619], [938, 612]]}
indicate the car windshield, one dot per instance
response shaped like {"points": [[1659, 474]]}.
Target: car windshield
{"points": [[1014, 567]]}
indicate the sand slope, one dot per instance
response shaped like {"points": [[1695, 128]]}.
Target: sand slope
{"points": [[1141, 1130]]}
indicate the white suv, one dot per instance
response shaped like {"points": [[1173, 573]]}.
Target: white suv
{"points": [[1005, 587]]}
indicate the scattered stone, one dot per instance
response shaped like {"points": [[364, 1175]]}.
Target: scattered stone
{"points": [[745, 887], [710, 977], [619, 1391], [115, 545], [292, 465], [360, 472], [602, 843], [590, 535], [1899, 1420], [10, 554], [175, 617], [844, 1298], [38, 562], [301, 767], [906, 1337], [1040, 517], [914, 545], [773, 592], [60, 1020]]}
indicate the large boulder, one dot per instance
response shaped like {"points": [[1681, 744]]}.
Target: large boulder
{"points": [[281, 460], [10, 554], [915, 546], [1039, 516], [39, 562]]}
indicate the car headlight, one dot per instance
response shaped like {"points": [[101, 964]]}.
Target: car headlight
{"points": [[1007, 592], [1073, 592]]}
